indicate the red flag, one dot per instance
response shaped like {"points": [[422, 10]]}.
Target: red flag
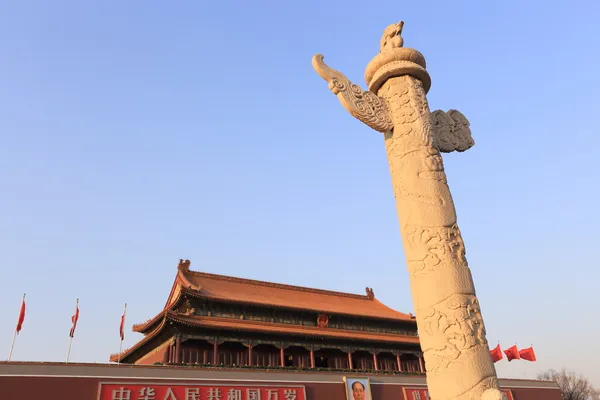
{"points": [[74, 319], [527, 354], [121, 327], [21, 316], [496, 353], [512, 353]]}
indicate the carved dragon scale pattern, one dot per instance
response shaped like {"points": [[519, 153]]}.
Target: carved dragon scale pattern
{"points": [[448, 315]]}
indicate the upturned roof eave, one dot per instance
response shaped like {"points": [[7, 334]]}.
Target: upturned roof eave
{"points": [[184, 284], [128, 352]]}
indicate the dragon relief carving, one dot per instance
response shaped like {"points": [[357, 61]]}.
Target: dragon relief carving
{"points": [[429, 248], [449, 328], [363, 105], [450, 130]]}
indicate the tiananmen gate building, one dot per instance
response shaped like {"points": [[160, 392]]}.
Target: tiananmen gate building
{"points": [[225, 338]]}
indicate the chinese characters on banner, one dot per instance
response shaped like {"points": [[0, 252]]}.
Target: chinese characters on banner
{"points": [[423, 394], [198, 392]]}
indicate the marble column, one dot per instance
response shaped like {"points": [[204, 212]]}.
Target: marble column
{"points": [[449, 320]]}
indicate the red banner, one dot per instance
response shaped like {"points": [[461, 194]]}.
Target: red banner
{"points": [[423, 394], [175, 391]]}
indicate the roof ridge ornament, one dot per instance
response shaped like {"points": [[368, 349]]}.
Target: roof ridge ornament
{"points": [[370, 294], [184, 265]]}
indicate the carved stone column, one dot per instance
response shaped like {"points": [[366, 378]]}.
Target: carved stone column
{"points": [[451, 329]]}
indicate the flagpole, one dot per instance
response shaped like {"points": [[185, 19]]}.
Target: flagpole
{"points": [[12, 346], [72, 332], [121, 345]]}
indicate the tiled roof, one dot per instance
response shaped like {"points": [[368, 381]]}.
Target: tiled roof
{"points": [[274, 294], [268, 294]]}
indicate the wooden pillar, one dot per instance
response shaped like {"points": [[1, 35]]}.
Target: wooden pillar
{"points": [[250, 355], [350, 366], [312, 357], [281, 356], [421, 364], [399, 362], [178, 350], [375, 362], [167, 355], [215, 353]]}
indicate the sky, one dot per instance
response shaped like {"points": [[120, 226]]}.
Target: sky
{"points": [[136, 133]]}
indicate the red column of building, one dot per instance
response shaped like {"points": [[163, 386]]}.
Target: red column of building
{"points": [[421, 364], [178, 350], [375, 362], [250, 355], [215, 353], [399, 362], [281, 356], [312, 357], [167, 355], [350, 360]]}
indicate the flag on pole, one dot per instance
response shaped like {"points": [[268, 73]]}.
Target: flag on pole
{"points": [[74, 319], [512, 353], [496, 353], [527, 354], [122, 326], [122, 332], [18, 328], [21, 316]]}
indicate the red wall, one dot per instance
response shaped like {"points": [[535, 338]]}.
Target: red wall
{"points": [[56, 388], [56, 381]]}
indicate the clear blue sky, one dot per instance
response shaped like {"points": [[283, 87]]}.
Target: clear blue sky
{"points": [[136, 133]]}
